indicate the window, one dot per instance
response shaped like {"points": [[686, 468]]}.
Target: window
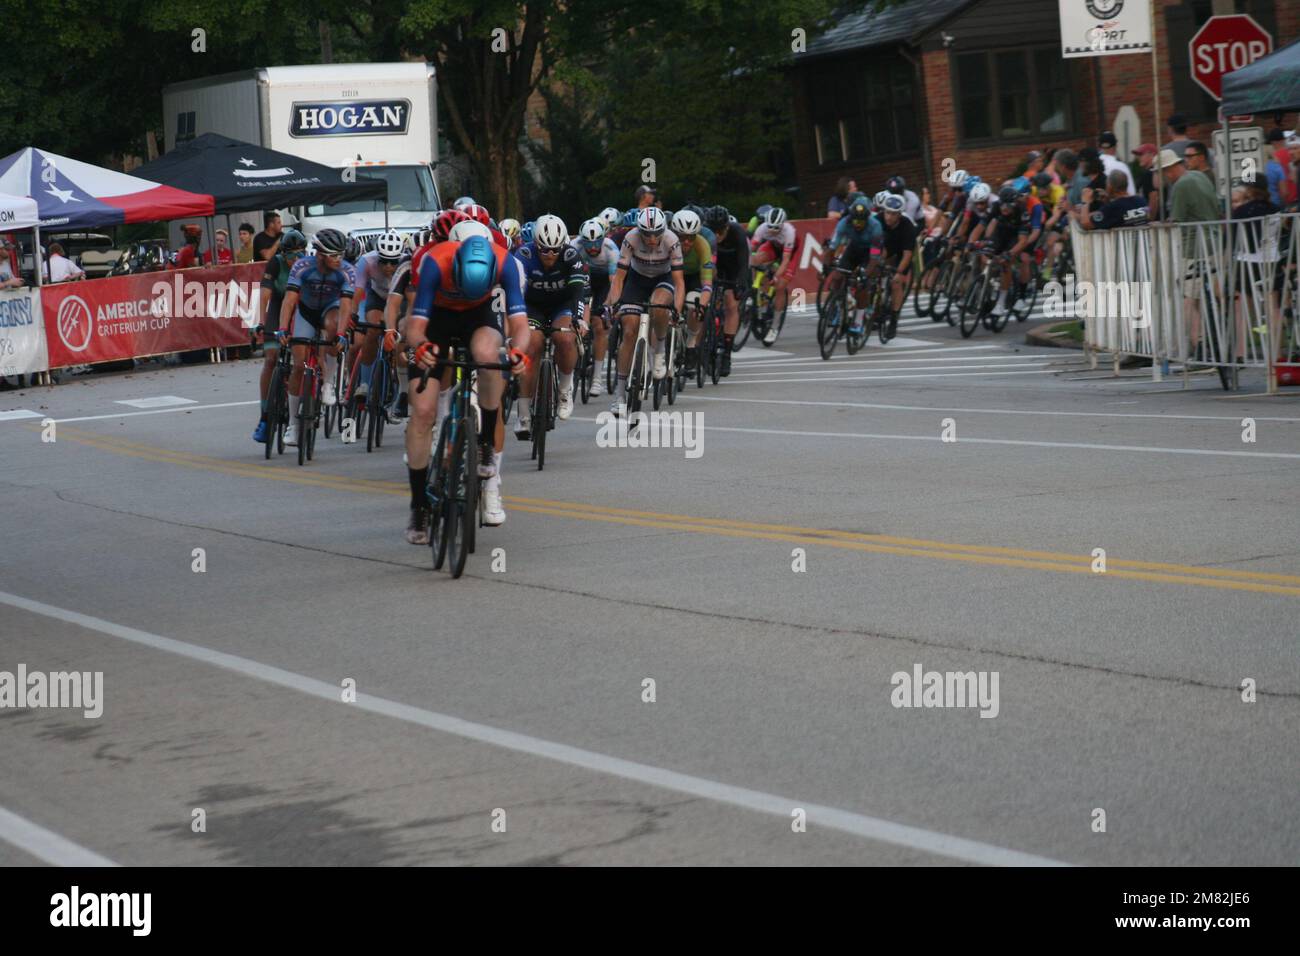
{"points": [[184, 127], [1013, 94], [863, 110]]}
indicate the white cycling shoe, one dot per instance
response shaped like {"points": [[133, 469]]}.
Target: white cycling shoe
{"points": [[327, 394], [493, 514], [597, 388], [661, 366], [566, 405], [770, 337], [291, 434]]}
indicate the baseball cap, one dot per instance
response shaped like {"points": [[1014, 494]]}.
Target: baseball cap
{"points": [[1145, 148], [1275, 135], [1107, 139], [1169, 158]]}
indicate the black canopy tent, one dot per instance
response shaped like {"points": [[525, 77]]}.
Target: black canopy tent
{"points": [[241, 176], [1269, 85]]}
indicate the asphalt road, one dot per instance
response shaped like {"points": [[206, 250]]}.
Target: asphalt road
{"points": [[517, 696]]}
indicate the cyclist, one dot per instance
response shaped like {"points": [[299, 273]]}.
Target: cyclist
{"points": [[600, 256], [856, 235], [375, 271], [610, 217], [274, 282], [773, 239], [899, 245], [1015, 228], [649, 274], [462, 202], [454, 300], [1056, 220], [510, 229], [555, 282], [317, 303], [618, 233], [732, 267], [354, 251], [912, 207], [697, 270]]}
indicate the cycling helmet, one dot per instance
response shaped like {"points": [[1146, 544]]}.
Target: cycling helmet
{"points": [[775, 217], [474, 267], [980, 193], [650, 221], [416, 240], [1008, 195], [526, 231], [478, 213], [1020, 184], [893, 203], [971, 182], [959, 178], [1042, 180], [716, 218], [462, 202], [510, 228], [896, 185], [686, 223], [355, 250], [629, 217], [551, 233], [762, 211], [292, 241], [446, 220], [610, 217], [330, 242], [879, 199], [389, 245], [463, 230], [592, 232], [859, 212]]}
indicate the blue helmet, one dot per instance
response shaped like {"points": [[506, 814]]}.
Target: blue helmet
{"points": [[474, 267], [970, 183], [526, 231], [629, 217], [1021, 184]]}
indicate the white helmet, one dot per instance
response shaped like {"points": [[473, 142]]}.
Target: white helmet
{"points": [[463, 230], [879, 198], [550, 232], [390, 245], [610, 217], [593, 230], [958, 178], [650, 220], [686, 223], [980, 193], [510, 228], [462, 202], [775, 216]]}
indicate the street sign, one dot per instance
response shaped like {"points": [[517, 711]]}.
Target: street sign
{"points": [[1223, 45], [1247, 159], [1128, 131], [1105, 27]]}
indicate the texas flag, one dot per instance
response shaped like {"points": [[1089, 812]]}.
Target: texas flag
{"points": [[76, 195]]}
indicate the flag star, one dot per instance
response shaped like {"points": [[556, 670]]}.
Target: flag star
{"points": [[62, 195], [248, 162]]}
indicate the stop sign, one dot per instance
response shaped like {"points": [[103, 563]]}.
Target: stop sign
{"points": [[1225, 44]]}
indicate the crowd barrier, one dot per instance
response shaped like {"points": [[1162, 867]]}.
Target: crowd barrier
{"points": [[1200, 294]]}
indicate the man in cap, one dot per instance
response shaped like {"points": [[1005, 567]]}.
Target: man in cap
{"points": [[1111, 163], [1146, 185]]}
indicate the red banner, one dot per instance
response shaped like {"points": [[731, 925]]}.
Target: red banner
{"points": [[812, 238], [106, 320]]}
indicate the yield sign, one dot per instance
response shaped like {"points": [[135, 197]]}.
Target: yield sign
{"points": [[1225, 44]]}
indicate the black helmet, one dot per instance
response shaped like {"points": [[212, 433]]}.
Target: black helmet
{"points": [[896, 185], [354, 250], [1008, 195], [331, 242], [860, 211], [1042, 180], [716, 218], [292, 241]]}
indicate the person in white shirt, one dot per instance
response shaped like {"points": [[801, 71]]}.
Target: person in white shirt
{"points": [[58, 267], [1110, 163], [7, 278]]}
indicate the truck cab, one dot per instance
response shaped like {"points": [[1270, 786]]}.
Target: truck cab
{"points": [[412, 202]]}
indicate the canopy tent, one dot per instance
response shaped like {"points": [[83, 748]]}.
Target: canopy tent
{"points": [[1269, 85], [18, 212], [241, 176], [75, 195]]}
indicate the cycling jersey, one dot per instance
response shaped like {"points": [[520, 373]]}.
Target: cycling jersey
{"points": [[436, 287], [276, 276], [846, 234], [733, 256], [319, 290], [782, 237], [370, 275], [555, 289], [697, 260], [901, 238], [650, 262], [603, 263], [710, 237]]}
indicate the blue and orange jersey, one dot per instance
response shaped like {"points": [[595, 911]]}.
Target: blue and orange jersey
{"points": [[436, 285]]}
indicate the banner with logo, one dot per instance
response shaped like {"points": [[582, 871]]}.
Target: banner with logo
{"points": [[22, 333], [106, 320], [1105, 27]]}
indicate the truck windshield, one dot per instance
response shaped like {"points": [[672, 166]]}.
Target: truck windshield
{"points": [[410, 188]]}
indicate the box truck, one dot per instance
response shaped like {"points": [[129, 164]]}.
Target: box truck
{"points": [[378, 118]]}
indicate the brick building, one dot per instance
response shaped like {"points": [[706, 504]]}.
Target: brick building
{"points": [[981, 82]]}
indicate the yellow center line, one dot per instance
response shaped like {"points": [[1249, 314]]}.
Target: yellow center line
{"points": [[1262, 582]]}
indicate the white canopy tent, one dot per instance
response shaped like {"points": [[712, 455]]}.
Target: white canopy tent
{"points": [[20, 212]]}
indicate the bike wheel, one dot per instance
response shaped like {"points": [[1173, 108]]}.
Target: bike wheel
{"points": [[747, 313], [304, 413], [830, 324], [636, 380], [1026, 297], [971, 308], [314, 422], [454, 515], [469, 529], [611, 356], [923, 294], [436, 493], [274, 410], [542, 410]]}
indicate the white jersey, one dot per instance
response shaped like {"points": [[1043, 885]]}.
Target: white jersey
{"points": [[783, 235], [651, 262], [370, 275]]}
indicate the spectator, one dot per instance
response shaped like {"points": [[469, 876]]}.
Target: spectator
{"points": [[1194, 154], [1178, 130], [58, 267], [1117, 207], [1146, 185], [224, 255], [1065, 164], [1257, 202], [188, 257], [1281, 183], [1191, 194], [245, 251], [645, 196], [1111, 163], [8, 280], [840, 201], [267, 242], [1238, 197], [1093, 176]]}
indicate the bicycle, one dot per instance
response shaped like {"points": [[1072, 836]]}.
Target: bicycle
{"points": [[334, 414], [309, 408], [584, 370], [934, 255], [675, 358], [545, 405], [763, 309], [611, 355], [713, 343], [640, 379], [837, 311], [277, 402], [384, 385], [455, 501]]}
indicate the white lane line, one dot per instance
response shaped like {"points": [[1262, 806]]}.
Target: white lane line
{"points": [[15, 414], [154, 411], [878, 360], [928, 355], [766, 353], [156, 401], [46, 845], [871, 828], [887, 378], [985, 411], [1085, 446]]}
